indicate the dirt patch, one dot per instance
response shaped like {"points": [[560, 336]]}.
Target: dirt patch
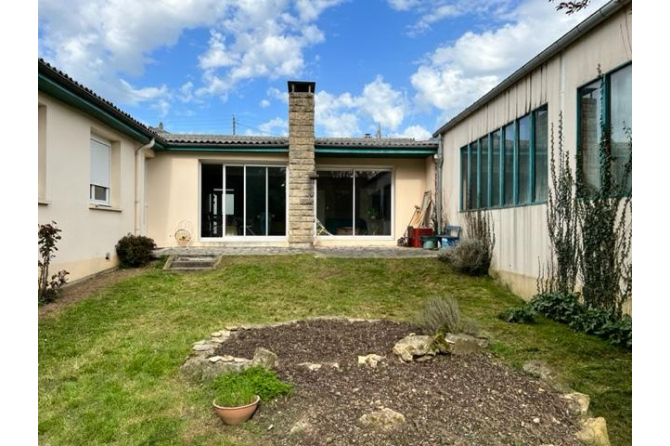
{"points": [[452, 400], [87, 287]]}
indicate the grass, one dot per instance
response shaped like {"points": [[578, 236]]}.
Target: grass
{"points": [[109, 365]]}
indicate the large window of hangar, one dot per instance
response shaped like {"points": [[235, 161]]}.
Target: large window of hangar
{"points": [[507, 167]]}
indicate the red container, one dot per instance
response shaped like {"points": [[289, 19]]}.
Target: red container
{"points": [[416, 234]]}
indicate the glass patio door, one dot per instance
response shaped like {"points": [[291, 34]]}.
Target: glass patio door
{"points": [[253, 205]]}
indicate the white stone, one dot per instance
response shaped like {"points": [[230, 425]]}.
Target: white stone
{"points": [[594, 432], [578, 402], [385, 419], [310, 366], [370, 360], [415, 345]]}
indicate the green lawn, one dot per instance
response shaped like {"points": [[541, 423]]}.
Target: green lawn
{"points": [[108, 366]]}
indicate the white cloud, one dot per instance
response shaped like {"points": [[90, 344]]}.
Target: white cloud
{"points": [[343, 115], [277, 94], [186, 92], [431, 12], [275, 127], [403, 5], [334, 116], [383, 104], [260, 38], [457, 74], [414, 131], [264, 103], [217, 55], [107, 39]]}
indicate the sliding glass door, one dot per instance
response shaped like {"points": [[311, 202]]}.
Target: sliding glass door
{"points": [[354, 202], [254, 203]]}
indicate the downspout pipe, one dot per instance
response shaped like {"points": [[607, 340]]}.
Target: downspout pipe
{"points": [[438, 185], [139, 184]]}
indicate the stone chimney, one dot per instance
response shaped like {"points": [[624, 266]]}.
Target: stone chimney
{"points": [[301, 163]]}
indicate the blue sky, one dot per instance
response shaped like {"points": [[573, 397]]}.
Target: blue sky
{"points": [[404, 65]]}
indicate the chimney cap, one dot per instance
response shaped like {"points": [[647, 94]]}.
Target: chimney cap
{"points": [[301, 87]]}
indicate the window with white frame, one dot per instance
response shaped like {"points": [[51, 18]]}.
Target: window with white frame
{"points": [[101, 164]]}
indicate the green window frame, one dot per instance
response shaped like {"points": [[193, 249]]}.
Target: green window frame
{"points": [[605, 91], [491, 165]]}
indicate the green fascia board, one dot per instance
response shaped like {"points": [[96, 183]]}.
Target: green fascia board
{"points": [[63, 94]]}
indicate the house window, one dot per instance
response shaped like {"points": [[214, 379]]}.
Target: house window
{"points": [[507, 167], [606, 104], [355, 202], [101, 161], [254, 202]]}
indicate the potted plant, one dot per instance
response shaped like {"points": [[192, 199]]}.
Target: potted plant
{"points": [[235, 403], [238, 393]]}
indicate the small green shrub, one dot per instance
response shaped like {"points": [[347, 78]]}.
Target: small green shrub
{"points": [[601, 322], [561, 307], [238, 389], [518, 315], [135, 250], [470, 256], [440, 315]]}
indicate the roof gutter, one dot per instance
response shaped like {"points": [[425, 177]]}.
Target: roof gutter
{"points": [[575, 33]]}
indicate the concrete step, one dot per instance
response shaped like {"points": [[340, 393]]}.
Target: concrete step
{"points": [[191, 262]]}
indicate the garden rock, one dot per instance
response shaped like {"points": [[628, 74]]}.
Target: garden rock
{"points": [[594, 432], [300, 426], [370, 360], [212, 370], [538, 369], [265, 358], [310, 366], [464, 344], [202, 368], [454, 338], [194, 366], [578, 402], [415, 345], [384, 419]]}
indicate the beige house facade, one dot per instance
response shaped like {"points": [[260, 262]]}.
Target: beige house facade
{"points": [[102, 175], [495, 154]]}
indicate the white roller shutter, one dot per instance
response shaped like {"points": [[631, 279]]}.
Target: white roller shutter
{"points": [[101, 154]]}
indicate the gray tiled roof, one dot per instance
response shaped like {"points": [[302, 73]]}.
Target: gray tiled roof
{"points": [[192, 138], [407, 143], [196, 139]]}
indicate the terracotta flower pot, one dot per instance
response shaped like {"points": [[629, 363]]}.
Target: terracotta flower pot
{"points": [[236, 415]]}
